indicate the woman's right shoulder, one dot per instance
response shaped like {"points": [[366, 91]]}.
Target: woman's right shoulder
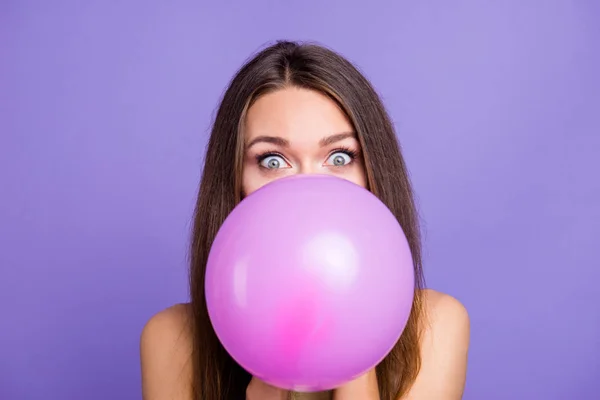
{"points": [[165, 352], [176, 318]]}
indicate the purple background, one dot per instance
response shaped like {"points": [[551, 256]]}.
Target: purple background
{"points": [[104, 112]]}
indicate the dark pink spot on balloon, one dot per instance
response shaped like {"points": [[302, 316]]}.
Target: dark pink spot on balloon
{"points": [[301, 329], [297, 320]]}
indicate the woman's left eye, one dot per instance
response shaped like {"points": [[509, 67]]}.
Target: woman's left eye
{"points": [[339, 159]]}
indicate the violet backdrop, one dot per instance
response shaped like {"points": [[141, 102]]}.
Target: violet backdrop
{"points": [[104, 113]]}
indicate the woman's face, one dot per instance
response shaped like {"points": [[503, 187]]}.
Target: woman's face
{"points": [[298, 131]]}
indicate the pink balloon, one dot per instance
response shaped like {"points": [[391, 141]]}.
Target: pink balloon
{"points": [[309, 282]]}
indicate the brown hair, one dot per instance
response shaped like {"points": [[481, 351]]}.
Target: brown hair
{"points": [[216, 375]]}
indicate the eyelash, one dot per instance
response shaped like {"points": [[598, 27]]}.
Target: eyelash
{"points": [[262, 156], [353, 154]]}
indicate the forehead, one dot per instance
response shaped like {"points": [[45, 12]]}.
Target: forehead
{"points": [[295, 114]]}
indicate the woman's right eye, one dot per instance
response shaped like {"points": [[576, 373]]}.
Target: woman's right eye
{"points": [[273, 162]]}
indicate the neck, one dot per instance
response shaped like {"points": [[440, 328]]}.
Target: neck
{"points": [[327, 395]]}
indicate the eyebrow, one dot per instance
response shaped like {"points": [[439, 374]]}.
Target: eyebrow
{"points": [[329, 140], [281, 142]]}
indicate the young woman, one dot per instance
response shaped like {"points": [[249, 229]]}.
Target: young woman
{"points": [[302, 109]]}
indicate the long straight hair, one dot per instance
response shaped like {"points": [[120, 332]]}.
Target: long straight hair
{"points": [[216, 375]]}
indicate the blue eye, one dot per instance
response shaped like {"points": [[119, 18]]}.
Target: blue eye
{"points": [[273, 162], [339, 159]]}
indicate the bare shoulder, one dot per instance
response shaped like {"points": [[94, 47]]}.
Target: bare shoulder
{"points": [[175, 319], [446, 321], [444, 348], [165, 352], [443, 308]]}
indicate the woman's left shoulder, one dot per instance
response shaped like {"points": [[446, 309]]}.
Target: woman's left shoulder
{"points": [[445, 316], [435, 303], [444, 348]]}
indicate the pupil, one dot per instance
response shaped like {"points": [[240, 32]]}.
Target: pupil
{"points": [[273, 163]]}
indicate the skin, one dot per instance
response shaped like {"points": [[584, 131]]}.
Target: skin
{"points": [[288, 132]]}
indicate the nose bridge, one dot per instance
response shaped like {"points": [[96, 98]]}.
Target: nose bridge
{"points": [[307, 166]]}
